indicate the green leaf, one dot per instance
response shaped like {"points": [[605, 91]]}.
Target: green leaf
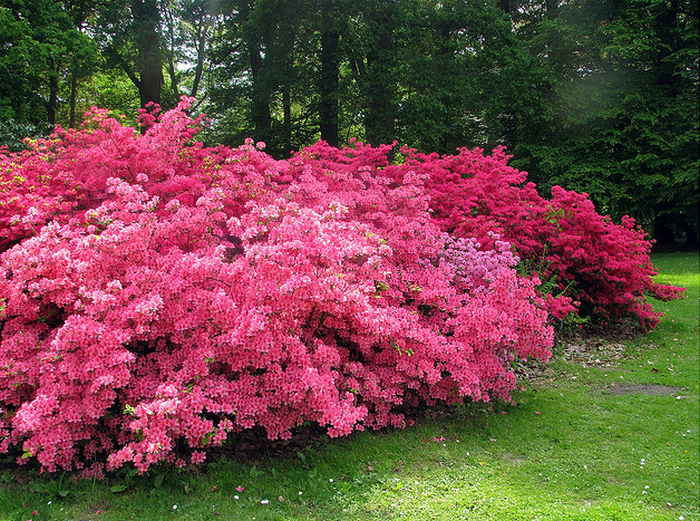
{"points": [[158, 482]]}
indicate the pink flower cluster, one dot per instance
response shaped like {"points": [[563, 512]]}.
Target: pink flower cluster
{"points": [[599, 268], [158, 295]]}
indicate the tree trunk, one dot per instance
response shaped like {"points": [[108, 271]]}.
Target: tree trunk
{"points": [[260, 100], [52, 104], [379, 91], [151, 74], [172, 69], [287, 122], [330, 72], [201, 56], [147, 21], [73, 96]]}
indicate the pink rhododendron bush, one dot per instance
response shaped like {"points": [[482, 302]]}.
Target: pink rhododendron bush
{"points": [[595, 267], [158, 295]]}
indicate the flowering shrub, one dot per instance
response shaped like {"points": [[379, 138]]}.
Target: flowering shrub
{"points": [[31, 192], [67, 173], [598, 266], [158, 295]]}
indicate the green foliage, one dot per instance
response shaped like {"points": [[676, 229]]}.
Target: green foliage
{"points": [[263, 75], [625, 106], [40, 44], [109, 88], [12, 133], [596, 96]]}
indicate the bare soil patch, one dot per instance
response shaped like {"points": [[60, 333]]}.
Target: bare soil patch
{"points": [[600, 346], [660, 390], [591, 347]]}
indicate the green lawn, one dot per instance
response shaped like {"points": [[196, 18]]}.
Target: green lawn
{"points": [[587, 441]]}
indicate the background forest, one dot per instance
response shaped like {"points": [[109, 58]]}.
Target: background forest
{"points": [[597, 96]]}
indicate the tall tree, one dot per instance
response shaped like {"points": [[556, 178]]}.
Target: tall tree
{"points": [[42, 43], [265, 73], [377, 82], [84, 61], [130, 33], [625, 105], [146, 27], [330, 71]]}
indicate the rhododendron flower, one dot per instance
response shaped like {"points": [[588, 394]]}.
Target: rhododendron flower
{"points": [[159, 295]]}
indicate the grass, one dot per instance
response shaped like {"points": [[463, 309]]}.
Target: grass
{"points": [[570, 449]]}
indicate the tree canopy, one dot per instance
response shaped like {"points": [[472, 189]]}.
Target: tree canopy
{"points": [[595, 96]]}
